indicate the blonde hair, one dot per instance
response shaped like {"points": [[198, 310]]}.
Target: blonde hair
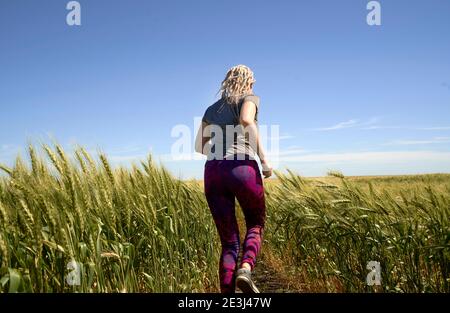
{"points": [[237, 84]]}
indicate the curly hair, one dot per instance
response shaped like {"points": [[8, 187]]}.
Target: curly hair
{"points": [[237, 84]]}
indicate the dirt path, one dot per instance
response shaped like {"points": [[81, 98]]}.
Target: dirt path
{"points": [[270, 277], [269, 274]]}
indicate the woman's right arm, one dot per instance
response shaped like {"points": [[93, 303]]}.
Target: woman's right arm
{"points": [[202, 139], [247, 119]]}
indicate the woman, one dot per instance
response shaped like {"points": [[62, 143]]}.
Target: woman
{"points": [[229, 137]]}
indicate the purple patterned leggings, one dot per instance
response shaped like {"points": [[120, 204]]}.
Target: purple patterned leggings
{"points": [[224, 181]]}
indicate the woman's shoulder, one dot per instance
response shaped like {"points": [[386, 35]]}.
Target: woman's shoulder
{"points": [[253, 98]]}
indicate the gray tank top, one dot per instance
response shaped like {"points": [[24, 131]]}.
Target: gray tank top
{"points": [[226, 116]]}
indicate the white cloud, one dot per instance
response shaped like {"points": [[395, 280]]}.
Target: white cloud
{"points": [[372, 124], [8, 152], [267, 138], [353, 123], [372, 120], [370, 157], [281, 137], [381, 127], [342, 125], [194, 156], [374, 127], [350, 163], [126, 158], [435, 128], [122, 155], [293, 150], [129, 149], [436, 140], [7, 147]]}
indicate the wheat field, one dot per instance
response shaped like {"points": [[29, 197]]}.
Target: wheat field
{"points": [[132, 230], [329, 229], [140, 229]]}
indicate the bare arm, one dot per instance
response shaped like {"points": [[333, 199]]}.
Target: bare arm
{"points": [[247, 119], [202, 139]]}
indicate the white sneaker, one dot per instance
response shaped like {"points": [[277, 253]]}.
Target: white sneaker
{"points": [[244, 281]]}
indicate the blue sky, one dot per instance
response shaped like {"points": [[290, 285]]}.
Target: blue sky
{"points": [[347, 96]]}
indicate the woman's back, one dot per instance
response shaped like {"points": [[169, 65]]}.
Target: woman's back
{"points": [[224, 117]]}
